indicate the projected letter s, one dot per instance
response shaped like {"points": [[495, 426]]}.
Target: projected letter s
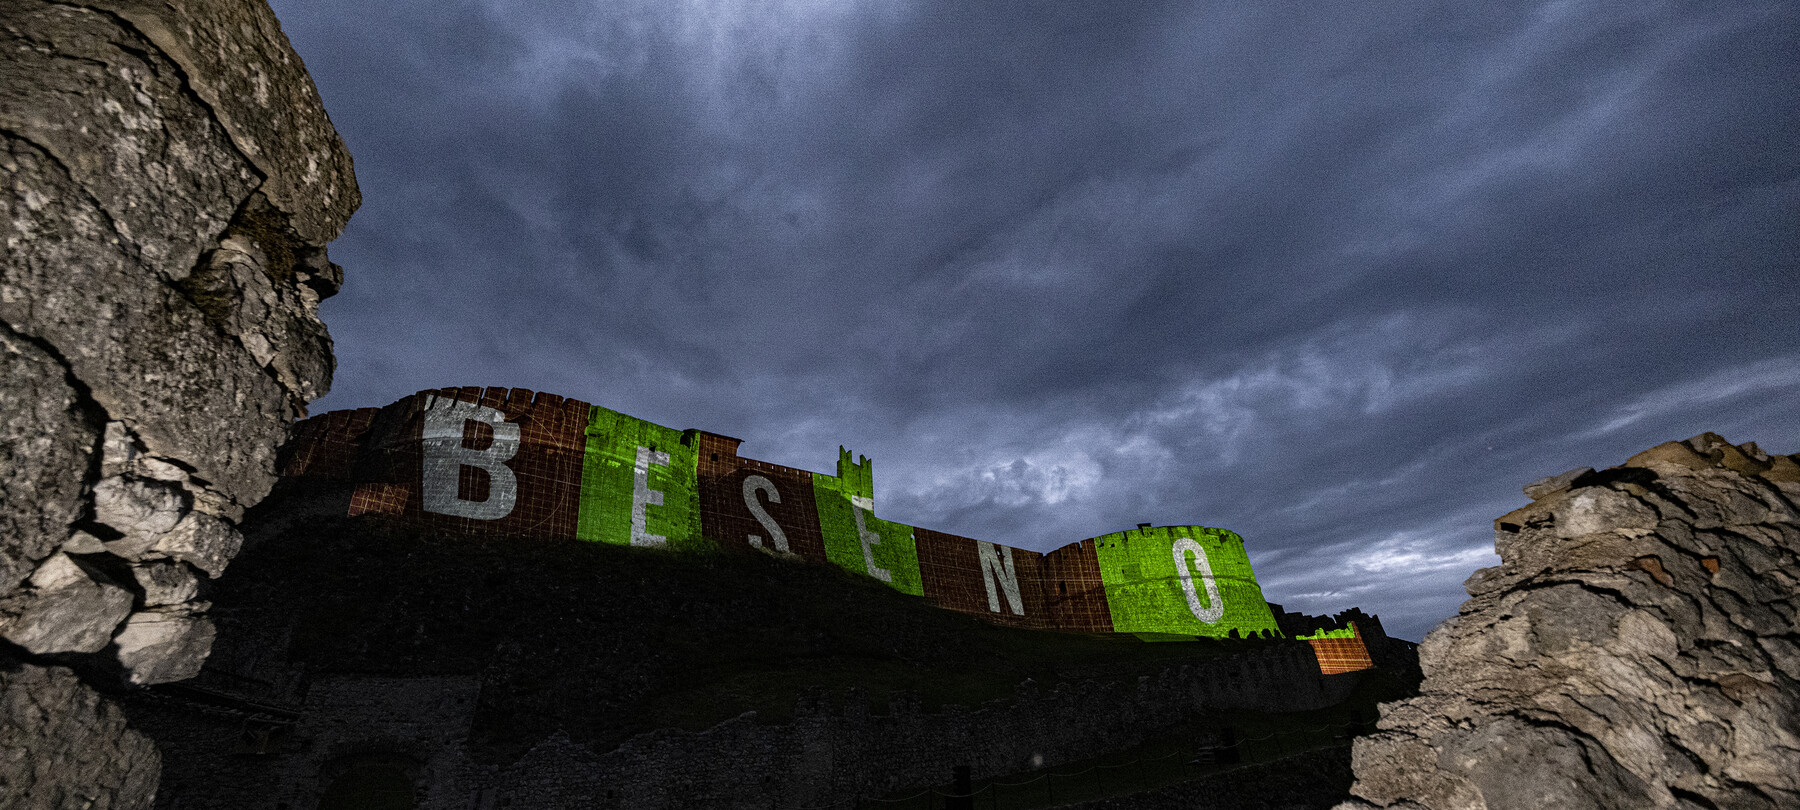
{"points": [[752, 485], [1215, 608], [441, 438]]}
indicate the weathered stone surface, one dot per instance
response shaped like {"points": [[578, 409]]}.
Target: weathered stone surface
{"points": [[1639, 646], [278, 326], [140, 511], [169, 184], [62, 745], [165, 644], [165, 583], [45, 441], [67, 608], [146, 354], [1555, 483], [238, 62]]}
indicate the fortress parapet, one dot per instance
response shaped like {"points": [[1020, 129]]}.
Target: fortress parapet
{"points": [[511, 462]]}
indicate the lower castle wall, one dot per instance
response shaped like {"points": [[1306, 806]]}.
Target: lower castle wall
{"points": [[834, 749]]}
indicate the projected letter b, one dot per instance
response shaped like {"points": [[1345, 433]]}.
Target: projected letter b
{"points": [[441, 439]]}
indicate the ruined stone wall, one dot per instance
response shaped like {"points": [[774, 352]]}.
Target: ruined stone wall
{"points": [[1639, 646], [171, 181], [837, 747]]}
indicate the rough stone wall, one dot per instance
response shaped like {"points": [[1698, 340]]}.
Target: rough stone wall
{"points": [[835, 748], [171, 181], [1636, 648], [1312, 779]]}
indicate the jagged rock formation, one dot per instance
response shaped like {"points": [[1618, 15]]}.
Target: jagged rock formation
{"points": [[171, 180], [1636, 648]]}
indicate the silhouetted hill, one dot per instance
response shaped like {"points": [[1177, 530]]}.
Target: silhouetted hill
{"points": [[606, 641]]}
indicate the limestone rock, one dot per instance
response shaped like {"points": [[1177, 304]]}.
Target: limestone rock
{"points": [[170, 183], [1637, 647], [81, 542], [165, 582], [45, 441], [165, 644], [153, 522], [140, 511], [201, 540], [235, 283], [1555, 483], [68, 608], [239, 64], [62, 745]]}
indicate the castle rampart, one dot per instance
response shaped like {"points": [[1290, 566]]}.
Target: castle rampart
{"points": [[511, 462]]}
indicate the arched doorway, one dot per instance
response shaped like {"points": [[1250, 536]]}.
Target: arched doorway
{"points": [[372, 782]]}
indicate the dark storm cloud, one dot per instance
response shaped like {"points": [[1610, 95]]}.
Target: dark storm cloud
{"points": [[1341, 277]]}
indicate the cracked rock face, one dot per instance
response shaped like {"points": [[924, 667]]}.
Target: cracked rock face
{"points": [[1639, 646], [80, 752], [170, 183]]}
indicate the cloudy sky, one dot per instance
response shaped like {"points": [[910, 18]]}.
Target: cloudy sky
{"points": [[1339, 276]]}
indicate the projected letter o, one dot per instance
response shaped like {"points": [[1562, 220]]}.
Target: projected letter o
{"points": [[1215, 608]]}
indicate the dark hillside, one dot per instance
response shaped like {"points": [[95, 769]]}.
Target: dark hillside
{"points": [[604, 642]]}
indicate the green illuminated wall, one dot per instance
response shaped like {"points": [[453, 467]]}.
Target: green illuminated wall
{"points": [[612, 491], [557, 467], [845, 505], [1146, 593]]}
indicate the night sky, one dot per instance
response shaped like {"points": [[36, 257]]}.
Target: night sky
{"points": [[1341, 277]]}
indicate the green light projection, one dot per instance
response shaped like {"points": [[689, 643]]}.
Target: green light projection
{"points": [[857, 540], [639, 485], [1185, 580]]}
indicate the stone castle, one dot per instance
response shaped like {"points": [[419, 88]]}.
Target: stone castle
{"points": [[514, 463]]}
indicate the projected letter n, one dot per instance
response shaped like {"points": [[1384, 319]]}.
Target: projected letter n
{"points": [[1214, 608], [998, 564], [445, 454]]}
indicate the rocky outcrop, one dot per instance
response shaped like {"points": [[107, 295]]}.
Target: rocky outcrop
{"points": [[1639, 646], [79, 751], [171, 181]]}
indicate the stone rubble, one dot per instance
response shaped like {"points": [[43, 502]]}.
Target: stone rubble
{"points": [[1639, 646]]}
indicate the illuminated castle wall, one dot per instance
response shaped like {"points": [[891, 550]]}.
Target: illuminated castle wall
{"points": [[507, 462], [1339, 650]]}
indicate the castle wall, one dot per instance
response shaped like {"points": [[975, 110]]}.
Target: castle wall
{"points": [[836, 747], [512, 462], [1340, 651]]}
